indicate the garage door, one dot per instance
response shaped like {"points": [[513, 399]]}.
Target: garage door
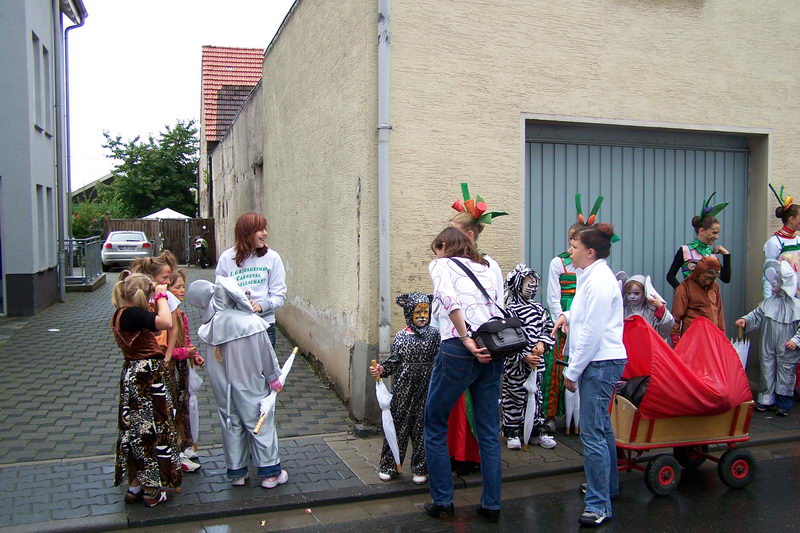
{"points": [[653, 183]]}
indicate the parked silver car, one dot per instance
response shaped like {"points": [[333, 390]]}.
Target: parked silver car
{"points": [[122, 247]]}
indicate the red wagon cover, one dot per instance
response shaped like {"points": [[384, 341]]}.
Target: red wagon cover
{"points": [[701, 376]]}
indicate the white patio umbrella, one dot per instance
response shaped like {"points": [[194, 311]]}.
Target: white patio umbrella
{"points": [[384, 401], [267, 405], [530, 408], [742, 346]]}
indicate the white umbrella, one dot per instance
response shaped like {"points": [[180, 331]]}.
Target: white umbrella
{"points": [[195, 381], [742, 346], [267, 405], [572, 409], [384, 401], [530, 407]]}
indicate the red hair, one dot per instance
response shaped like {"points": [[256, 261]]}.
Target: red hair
{"points": [[246, 227]]}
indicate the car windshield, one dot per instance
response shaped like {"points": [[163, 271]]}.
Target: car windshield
{"points": [[127, 236]]}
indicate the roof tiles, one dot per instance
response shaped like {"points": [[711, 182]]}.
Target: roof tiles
{"points": [[228, 76]]}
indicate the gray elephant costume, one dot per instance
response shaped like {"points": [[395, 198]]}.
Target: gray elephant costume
{"points": [[242, 378]]}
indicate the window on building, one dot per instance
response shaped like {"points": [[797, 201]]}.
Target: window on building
{"points": [[37, 82], [41, 218], [47, 74]]}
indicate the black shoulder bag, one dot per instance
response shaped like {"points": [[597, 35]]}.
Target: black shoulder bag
{"points": [[503, 335]]}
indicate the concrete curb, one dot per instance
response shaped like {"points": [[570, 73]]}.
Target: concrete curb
{"points": [[275, 501]]}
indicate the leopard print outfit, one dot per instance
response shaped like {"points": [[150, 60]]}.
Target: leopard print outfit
{"points": [[411, 361]]}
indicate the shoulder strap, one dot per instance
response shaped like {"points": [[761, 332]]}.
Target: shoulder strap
{"points": [[477, 283]]}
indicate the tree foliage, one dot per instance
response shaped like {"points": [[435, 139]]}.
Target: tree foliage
{"points": [[154, 174], [87, 217]]}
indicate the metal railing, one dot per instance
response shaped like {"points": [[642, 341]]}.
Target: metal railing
{"points": [[82, 263]]}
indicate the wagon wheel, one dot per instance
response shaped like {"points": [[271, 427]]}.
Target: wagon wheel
{"points": [[662, 474], [689, 457], [737, 468]]}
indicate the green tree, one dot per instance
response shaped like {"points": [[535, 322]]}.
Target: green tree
{"points": [[154, 174], [87, 217]]}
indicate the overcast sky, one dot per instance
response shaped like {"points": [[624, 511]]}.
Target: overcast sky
{"points": [[134, 67]]}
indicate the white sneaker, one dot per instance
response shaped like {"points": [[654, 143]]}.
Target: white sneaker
{"points": [[239, 481], [546, 441], [419, 480], [383, 476], [190, 453], [280, 480], [187, 465], [514, 443]]}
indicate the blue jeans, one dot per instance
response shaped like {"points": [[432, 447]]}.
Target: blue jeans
{"points": [[271, 335], [599, 447], [454, 371]]}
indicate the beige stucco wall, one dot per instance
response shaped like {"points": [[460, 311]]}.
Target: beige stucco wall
{"points": [[464, 74], [237, 163], [319, 183]]}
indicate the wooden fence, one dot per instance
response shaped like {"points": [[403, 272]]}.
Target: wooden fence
{"points": [[175, 235]]}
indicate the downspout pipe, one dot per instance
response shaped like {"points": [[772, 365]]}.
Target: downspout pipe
{"points": [[61, 112], [384, 127]]}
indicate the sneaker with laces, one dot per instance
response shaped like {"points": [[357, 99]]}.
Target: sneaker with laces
{"points": [[592, 519], [190, 453], [162, 495], [187, 465], [384, 476], [419, 480], [272, 482], [239, 481], [514, 443], [546, 441]]}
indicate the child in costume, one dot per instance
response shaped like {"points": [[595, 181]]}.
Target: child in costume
{"points": [[243, 371], [779, 318], [698, 295], [182, 354], [147, 450], [561, 284], [784, 245], [470, 219], [640, 298], [413, 352], [707, 229], [521, 286]]}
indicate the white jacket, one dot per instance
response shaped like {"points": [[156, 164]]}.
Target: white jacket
{"points": [[595, 319], [264, 277]]}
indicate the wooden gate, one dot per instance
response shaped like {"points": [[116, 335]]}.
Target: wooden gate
{"points": [[175, 235]]}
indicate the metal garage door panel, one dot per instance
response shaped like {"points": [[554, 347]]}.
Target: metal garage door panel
{"points": [[650, 193]]}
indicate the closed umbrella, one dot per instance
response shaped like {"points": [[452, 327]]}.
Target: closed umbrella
{"points": [[742, 346], [572, 409], [267, 405], [384, 401], [530, 408], [195, 381]]}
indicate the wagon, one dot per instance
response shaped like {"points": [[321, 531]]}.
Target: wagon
{"points": [[689, 438], [665, 419]]}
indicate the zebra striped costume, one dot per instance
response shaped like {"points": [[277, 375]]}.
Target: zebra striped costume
{"points": [[538, 325]]}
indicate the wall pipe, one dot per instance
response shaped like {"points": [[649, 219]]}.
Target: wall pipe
{"points": [[384, 252]]}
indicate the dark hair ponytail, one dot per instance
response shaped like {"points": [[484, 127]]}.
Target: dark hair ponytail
{"points": [[784, 214], [598, 238]]}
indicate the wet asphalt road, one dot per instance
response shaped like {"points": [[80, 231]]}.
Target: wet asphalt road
{"points": [[701, 503]]}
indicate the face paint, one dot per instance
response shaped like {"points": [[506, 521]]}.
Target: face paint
{"points": [[421, 315], [528, 287], [178, 289], [164, 276], [634, 293]]}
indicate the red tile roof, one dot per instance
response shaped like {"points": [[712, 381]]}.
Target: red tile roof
{"points": [[229, 74]]}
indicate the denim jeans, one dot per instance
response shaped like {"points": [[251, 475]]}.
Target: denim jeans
{"points": [[271, 335], [599, 447], [454, 371]]}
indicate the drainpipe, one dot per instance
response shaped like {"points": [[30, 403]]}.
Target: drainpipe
{"points": [[385, 314], [62, 125]]}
